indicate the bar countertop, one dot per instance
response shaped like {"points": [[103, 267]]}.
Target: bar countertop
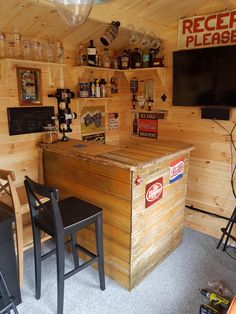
{"points": [[131, 156]]}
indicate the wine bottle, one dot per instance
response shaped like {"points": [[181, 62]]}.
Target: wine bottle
{"points": [[91, 54]]}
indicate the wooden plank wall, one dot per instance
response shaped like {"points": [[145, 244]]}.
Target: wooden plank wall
{"points": [[209, 185], [209, 173]]}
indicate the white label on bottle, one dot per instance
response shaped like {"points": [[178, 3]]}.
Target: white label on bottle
{"points": [[91, 51]]}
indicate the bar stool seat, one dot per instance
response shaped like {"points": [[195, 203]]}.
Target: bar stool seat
{"points": [[61, 218]]}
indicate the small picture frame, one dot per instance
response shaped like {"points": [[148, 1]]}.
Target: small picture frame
{"points": [[29, 86]]}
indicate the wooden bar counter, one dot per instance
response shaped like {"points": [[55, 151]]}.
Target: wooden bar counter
{"points": [[141, 188]]}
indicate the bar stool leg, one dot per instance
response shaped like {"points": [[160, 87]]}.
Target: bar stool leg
{"points": [[228, 235], [37, 261], [60, 275], [74, 250], [99, 243]]}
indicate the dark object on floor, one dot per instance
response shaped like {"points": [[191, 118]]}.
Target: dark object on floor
{"points": [[208, 309], [8, 300], [60, 219], [227, 231], [216, 299]]}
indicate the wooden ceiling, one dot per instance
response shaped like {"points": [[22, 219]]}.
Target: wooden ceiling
{"points": [[40, 19]]}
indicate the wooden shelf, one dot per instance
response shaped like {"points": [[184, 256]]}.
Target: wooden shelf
{"points": [[158, 71], [7, 63], [97, 98], [106, 72], [129, 74]]}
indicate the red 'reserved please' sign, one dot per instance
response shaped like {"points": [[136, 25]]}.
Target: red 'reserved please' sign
{"points": [[216, 29]]}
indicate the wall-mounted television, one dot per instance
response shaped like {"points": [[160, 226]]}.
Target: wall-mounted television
{"points": [[205, 77]]}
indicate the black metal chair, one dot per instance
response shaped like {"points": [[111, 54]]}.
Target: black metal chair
{"points": [[226, 232], [8, 300], [61, 218]]}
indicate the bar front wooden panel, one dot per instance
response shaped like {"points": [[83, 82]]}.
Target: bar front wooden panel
{"points": [[107, 187], [135, 238]]}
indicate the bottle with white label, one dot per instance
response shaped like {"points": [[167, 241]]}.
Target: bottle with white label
{"points": [[91, 54]]}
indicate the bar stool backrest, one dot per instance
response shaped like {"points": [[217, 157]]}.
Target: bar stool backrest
{"points": [[9, 200], [35, 191]]}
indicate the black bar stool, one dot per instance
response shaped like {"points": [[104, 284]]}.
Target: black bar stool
{"points": [[226, 232], [60, 219], [8, 300]]}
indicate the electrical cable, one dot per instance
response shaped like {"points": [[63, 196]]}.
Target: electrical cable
{"points": [[233, 169]]}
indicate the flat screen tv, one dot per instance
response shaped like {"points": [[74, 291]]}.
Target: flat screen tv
{"points": [[205, 77]]}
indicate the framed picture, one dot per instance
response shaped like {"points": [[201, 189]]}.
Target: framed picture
{"points": [[29, 86]]}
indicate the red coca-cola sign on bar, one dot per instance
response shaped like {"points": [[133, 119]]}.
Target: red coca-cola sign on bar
{"points": [[154, 192], [148, 124]]}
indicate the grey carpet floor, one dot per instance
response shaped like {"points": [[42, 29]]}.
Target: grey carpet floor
{"points": [[171, 288]]}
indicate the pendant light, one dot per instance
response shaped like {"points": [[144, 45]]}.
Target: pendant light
{"points": [[74, 12]]}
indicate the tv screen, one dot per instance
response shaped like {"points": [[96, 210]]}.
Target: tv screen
{"points": [[205, 77]]}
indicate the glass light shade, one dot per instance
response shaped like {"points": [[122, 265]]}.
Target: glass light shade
{"points": [[74, 12]]}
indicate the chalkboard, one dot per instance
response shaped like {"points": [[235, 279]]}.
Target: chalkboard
{"points": [[29, 120]]}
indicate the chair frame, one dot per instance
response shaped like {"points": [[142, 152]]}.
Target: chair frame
{"points": [[8, 299], [9, 187], [34, 189]]}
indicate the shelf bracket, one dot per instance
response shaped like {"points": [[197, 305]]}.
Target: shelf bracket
{"points": [[4, 70], [157, 72], [53, 71]]}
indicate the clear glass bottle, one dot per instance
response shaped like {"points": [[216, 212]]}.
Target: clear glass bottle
{"points": [[37, 51], [92, 86], [50, 134], [59, 52], [115, 60], [18, 46], [81, 59], [27, 50], [50, 51], [11, 48], [103, 88], [2, 45], [106, 60]]}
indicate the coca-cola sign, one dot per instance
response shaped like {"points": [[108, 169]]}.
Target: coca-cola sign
{"points": [[154, 192], [147, 124], [176, 170]]}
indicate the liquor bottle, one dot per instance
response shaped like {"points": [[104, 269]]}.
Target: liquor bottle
{"points": [[106, 61], [91, 54], [146, 58], [98, 89], [137, 59], [3, 45], [92, 86], [81, 56], [135, 124], [103, 88], [115, 62], [159, 58], [125, 60]]}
